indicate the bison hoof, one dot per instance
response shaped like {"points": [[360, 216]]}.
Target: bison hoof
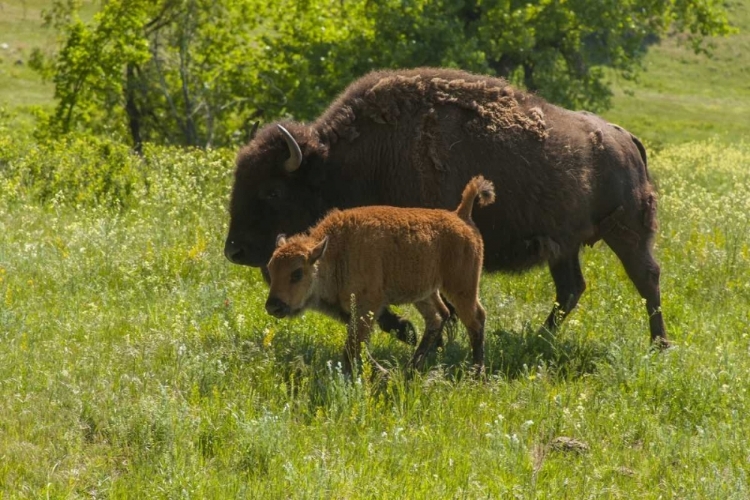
{"points": [[402, 328], [660, 344], [406, 332]]}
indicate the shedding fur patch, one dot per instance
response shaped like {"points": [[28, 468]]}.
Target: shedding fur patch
{"points": [[426, 156], [496, 107], [597, 138]]}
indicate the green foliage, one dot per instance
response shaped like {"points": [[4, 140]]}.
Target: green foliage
{"points": [[136, 362], [196, 72], [84, 170], [164, 72], [90, 171]]}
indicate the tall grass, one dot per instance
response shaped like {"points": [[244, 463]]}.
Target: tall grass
{"points": [[136, 362]]}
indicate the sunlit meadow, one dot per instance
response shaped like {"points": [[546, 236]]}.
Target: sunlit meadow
{"points": [[136, 362]]}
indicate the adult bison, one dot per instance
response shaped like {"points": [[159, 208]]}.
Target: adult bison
{"points": [[416, 137]]}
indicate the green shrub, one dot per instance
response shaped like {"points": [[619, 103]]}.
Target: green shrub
{"points": [[87, 170]]}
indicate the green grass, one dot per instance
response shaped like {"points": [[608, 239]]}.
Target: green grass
{"points": [[21, 28], [136, 362]]}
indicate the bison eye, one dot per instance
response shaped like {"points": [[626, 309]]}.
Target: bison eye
{"points": [[296, 275], [273, 193]]}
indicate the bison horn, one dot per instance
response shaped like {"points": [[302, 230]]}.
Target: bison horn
{"points": [[295, 153]]}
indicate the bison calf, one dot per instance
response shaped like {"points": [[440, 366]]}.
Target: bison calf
{"points": [[386, 255]]}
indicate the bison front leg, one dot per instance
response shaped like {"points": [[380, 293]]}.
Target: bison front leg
{"points": [[390, 322], [569, 286], [358, 333]]}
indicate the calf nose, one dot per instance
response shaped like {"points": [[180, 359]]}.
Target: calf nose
{"points": [[277, 307]]}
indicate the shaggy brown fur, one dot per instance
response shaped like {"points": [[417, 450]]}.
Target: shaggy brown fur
{"points": [[385, 255], [414, 138]]}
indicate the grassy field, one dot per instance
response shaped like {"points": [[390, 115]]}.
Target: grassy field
{"points": [[136, 362]]}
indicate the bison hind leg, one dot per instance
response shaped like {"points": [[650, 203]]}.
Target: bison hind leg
{"points": [[638, 260]]}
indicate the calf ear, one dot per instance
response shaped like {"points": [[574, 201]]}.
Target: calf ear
{"points": [[318, 251], [280, 240]]}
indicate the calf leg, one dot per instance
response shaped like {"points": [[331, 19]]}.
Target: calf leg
{"points": [[637, 257], [569, 286], [435, 313], [472, 315]]}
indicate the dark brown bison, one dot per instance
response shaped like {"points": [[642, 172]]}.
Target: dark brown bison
{"points": [[414, 138]]}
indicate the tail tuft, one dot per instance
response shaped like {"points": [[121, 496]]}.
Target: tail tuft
{"points": [[478, 187]]}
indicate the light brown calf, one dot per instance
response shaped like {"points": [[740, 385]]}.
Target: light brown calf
{"points": [[382, 256]]}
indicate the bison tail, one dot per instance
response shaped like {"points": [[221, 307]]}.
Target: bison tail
{"points": [[478, 187]]}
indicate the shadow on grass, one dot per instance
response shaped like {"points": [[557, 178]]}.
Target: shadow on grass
{"points": [[514, 354], [509, 354]]}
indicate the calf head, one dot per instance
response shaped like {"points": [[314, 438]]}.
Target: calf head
{"points": [[293, 271]]}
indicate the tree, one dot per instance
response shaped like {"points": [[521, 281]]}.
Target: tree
{"points": [[164, 71], [198, 72]]}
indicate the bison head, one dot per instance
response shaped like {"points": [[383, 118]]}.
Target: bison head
{"points": [[276, 190]]}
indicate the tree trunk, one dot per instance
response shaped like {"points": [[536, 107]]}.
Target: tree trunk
{"points": [[131, 108]]}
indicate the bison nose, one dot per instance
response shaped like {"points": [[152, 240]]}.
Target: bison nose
{"points": [[232, 251], [277, 307]]}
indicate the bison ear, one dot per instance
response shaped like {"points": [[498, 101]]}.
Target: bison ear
{"points": [[295, 153], [253, 131], [318, 251], [280, 240]]}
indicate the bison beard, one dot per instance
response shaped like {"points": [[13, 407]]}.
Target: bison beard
{"points": [[414, 138]]}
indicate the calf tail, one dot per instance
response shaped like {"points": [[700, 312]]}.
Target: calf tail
{"points": [[477, 187]]}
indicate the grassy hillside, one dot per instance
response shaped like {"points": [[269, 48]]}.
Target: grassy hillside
{"points": [[683, 96], [21, 30], [136, 362]]}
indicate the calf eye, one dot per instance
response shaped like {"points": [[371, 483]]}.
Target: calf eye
{"points": [[296, 275]]}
